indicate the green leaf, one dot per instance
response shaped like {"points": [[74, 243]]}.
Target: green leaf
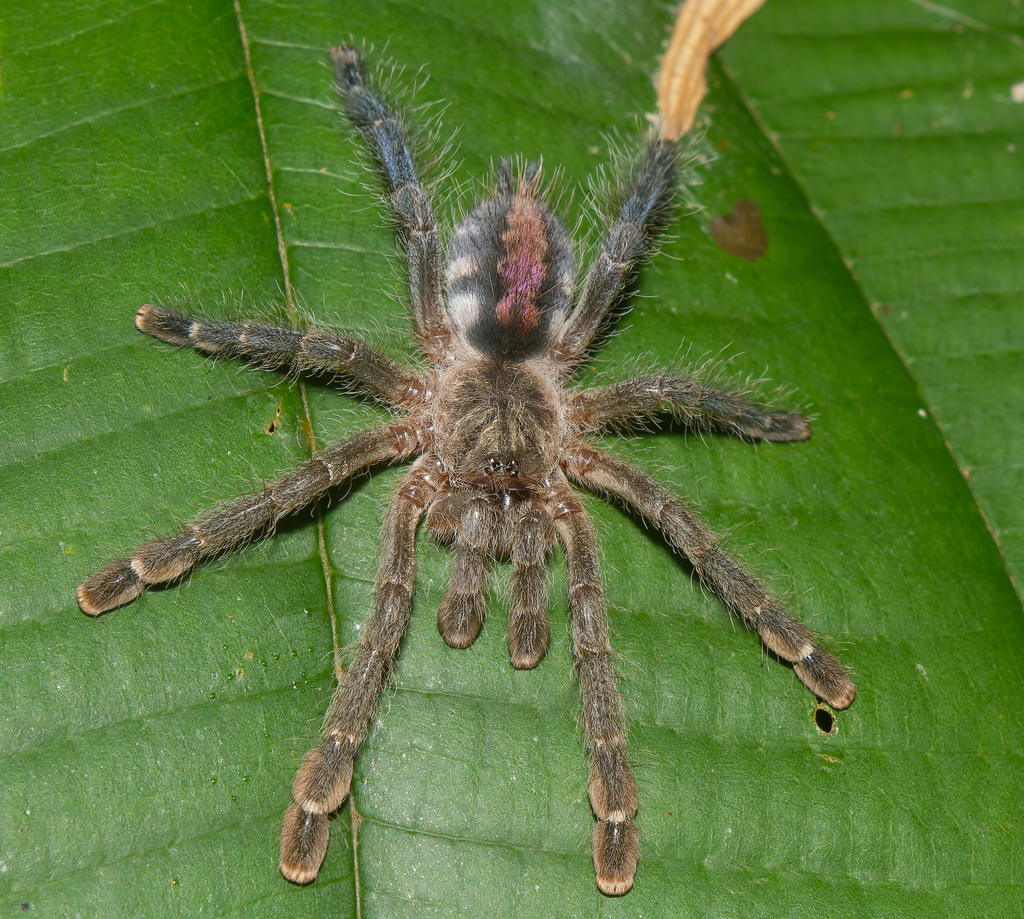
{"points": [[148, 755], [902, 123]]}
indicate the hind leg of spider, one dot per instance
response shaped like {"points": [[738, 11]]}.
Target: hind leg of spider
{"points": [[234, 525], [611, 785], [325, 777], [646, 203], [744, 594]]}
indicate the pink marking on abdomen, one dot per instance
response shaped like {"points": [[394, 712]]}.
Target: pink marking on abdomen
{"points": [[522, 269]]}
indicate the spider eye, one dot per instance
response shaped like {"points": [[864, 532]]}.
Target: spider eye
{"points": [[497, 466]]}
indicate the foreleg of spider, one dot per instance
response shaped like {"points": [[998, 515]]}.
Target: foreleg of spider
{"points": [[325, 777], [646, 203], [235, 524], [460, 613], [611, 786], [689, 400], [385, 135], [744, 594], [271, 347], [529, 630]]}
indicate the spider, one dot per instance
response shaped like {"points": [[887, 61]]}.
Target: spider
{"points": [[499, 437]]}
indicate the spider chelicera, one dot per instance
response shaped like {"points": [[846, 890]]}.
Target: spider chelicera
{"points": [[499, 436]]}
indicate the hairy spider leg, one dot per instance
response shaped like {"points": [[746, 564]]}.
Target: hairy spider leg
{"points": [[325, 776], [611, 785], [744, 594], [460, 614], [237, 523], [647, 198], [319, 351], [387, 139], [640, 399], [529, 630]]}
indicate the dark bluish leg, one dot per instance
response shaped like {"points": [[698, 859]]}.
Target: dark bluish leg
{"points": [[646, 200], [386, 136]]}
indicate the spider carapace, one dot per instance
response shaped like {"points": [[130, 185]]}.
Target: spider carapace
{"points": [[498, 436]]}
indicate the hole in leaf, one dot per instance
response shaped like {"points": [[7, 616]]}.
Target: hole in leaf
{"points": [[272, 427]]}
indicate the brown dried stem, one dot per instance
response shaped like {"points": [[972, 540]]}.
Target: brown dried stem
{"points": [[701, 27]]}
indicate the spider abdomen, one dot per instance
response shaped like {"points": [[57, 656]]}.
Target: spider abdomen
{"points": [[510, 271]]}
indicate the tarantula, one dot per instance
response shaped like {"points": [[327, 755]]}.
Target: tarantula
{"points": [[499, 435]]}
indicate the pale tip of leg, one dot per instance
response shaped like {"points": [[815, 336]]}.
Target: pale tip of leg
{"points": [[298, 873], [527, 659], [345, 55], [525, 663], [304, 839], [616, 850], [614, 886], [86, 602], [459, 639], [112, 586], [823, 675], [793, 427], [528, 646], [842, 695], [143, 315], [460, 618]]}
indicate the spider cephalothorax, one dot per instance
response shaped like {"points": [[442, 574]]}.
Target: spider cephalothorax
{"points": [[499, 438]]}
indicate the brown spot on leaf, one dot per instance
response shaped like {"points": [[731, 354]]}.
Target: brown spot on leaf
{"points": [[741, 232]]}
